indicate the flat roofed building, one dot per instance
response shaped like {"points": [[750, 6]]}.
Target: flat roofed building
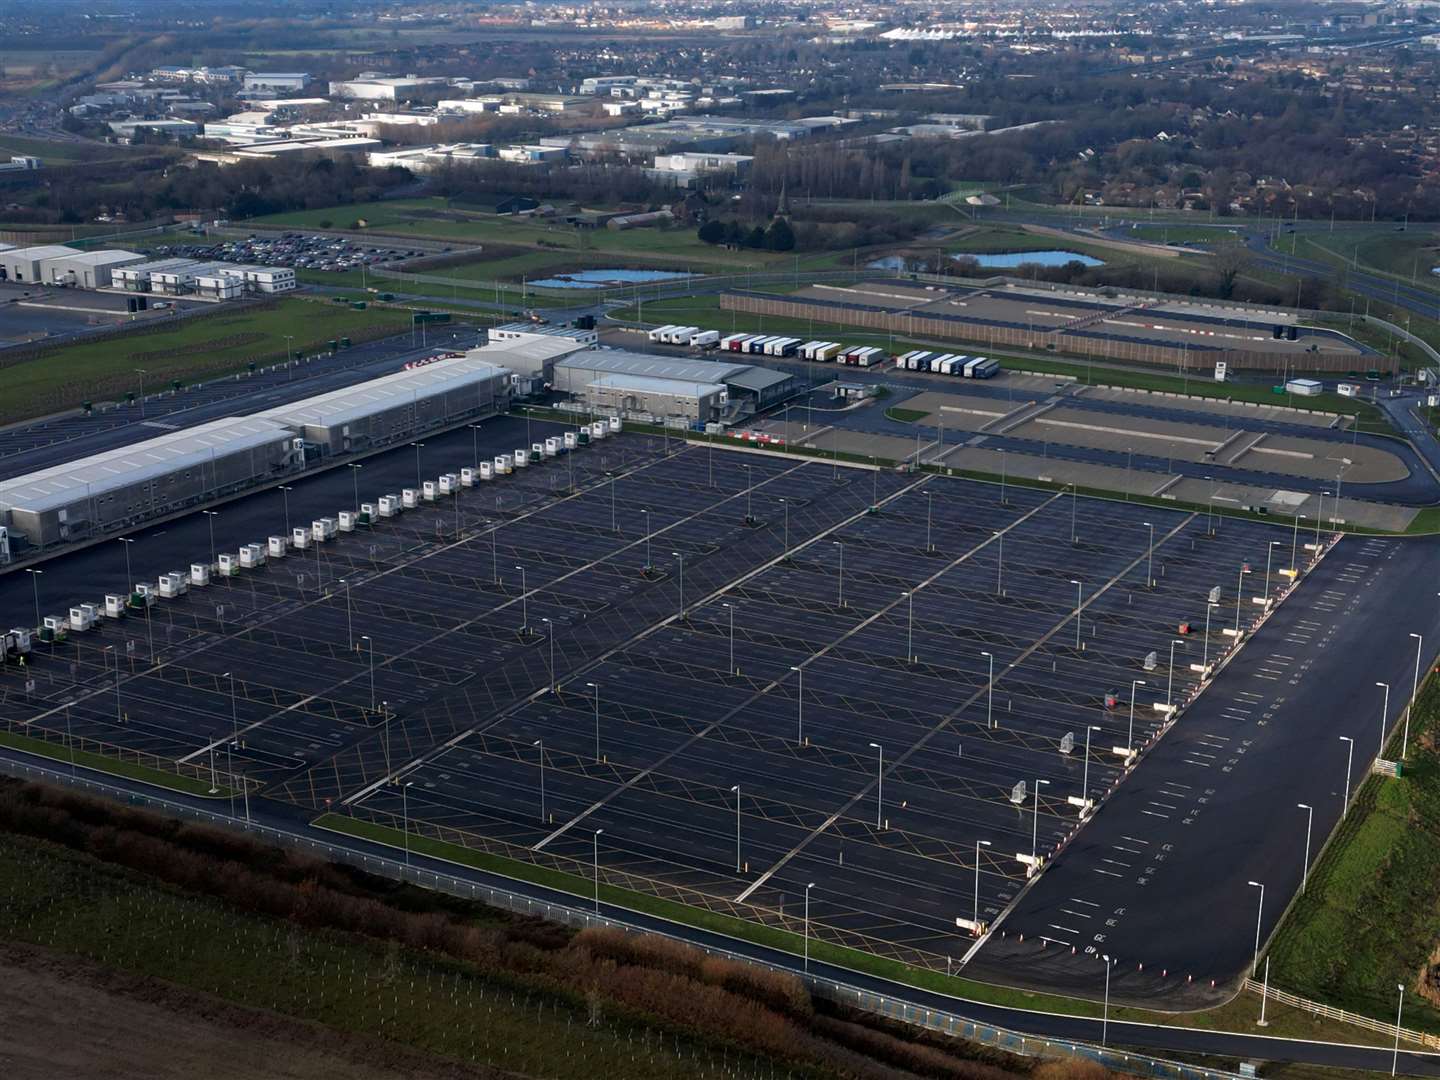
{"points": [[694, 402], [120, 488], [87, 270], [398, 406], [23, 265], [532, 355]]}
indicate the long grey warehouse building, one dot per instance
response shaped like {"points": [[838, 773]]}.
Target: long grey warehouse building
{"points": [[120, 488], [399, 406]]}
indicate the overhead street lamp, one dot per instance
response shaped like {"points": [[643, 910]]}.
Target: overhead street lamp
{"points": [[1170, 675], [1035, 826], [1130, 738], [808, 887], [1309, 821], [1349, 761], [1414, 695], [879, 783], [405, 817], [596, 688], [1079, 593], [539, 744], [1259, 917], [736, 790], [595, 838], [799, 706], [978, 845], [990, 693], [1384, 715]]}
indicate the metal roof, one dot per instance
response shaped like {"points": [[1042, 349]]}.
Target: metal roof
{"points": [[43, 251], [532, 350], [62, 485], [385, 393], [651, 385], [108, 257], [758, 378], [660, 367]]}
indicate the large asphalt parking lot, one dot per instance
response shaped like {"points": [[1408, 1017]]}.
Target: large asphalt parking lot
{"points": [[422, 684]]}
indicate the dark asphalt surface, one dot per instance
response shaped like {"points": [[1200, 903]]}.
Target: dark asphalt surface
{"points": [[1159, 879]]}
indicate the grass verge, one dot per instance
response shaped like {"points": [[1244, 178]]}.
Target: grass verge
{"points": [[86, 759], [1368, 918], [905, 416]]}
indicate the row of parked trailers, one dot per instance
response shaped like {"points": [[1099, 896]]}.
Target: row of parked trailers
{"points": [[17, 642], [969, 367], [693, 336], [818, 351]]}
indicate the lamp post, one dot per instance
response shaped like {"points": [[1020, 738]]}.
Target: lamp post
{"points": [[1130, 738], [840, 573], [35, 581], [1000, 566], [1035, 826], [976, 918], [799, 706], [646, 568], [524, 603], [736, 790], [909, 597], [1085, 774], [731, 609], [596, 863], [1305, 866], [1239, 595], [285, 490], [1079, 593], [879, 783], [211, 515], [550, 634], [1259, 917], [1414, 693], [1205, 658], [808, 887], [1105, 1015], [234, 742], [349, 619], [129, 580], [539, 745], [355, 482], [596, 688], [141, 372], [371, 650], [405, 816], [417, 446], [990, 693], [1269, 552], [1150, 558], [1349, 760], [1399, 1013], [1384, 715], [475, 442], [1170, 674], [749, 487], [680, 561], [929, 514]]}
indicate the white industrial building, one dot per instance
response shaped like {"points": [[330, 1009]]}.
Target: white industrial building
{"points": [[383, 89], [27, 264], [277, 81], [213, 280], [88, 269], [587, 376], [119, 488], [532, 351], [632, 395]]}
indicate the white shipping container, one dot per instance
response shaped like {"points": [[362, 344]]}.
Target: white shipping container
{"points": [[251, 556], [323, 528], [504, 465], [228, 564], [552, 446], [114, 606], [522, 458], [487, 471], [615, 425], [1305, 387], [428, 490], [199, 574], [449, 483], [660, 332], [468, 477], [276, 544], [345, 521], [572, 440], [388, 506], [706, 339]]}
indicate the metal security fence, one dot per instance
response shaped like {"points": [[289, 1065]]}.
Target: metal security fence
{"points": [[938, 1021]]}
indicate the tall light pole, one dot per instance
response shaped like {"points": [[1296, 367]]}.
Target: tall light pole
{"points": [[1305, 866], [349, 619], [929, 514], [417, 446], [1384, 715], [1079, 593], [1105, 1015], [1150, 557], [596, 688], [1269, 552], [909, 626], [1130, 738], [749, 487], [234, 743], [539, 745], [1035, 827], [285, 490], [1399, 1013], [736, 790], [1259, 918], [35, 581], [990, 693], [1000, 566], [405, 816], [550, 634], [355, 482], [976, 918], [129, 580], [141, 372], [371, 650], [731, 609], [524, 603], [1349, 761], [1085, 781], [1205, 659], [1239, 595], [1074, 495], [211, 515], [808, 887], [840, 574], [1414, 695], [475, 443], [646, 512], [879, 783], [680, 561], [1170, 675], [596, 864], [799, 705]]}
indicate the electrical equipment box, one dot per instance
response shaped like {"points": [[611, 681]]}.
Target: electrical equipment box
{"points": [[276, 544], [199, 574]]}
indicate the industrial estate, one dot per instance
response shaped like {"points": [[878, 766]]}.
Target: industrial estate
{"points": [[646, 542]]}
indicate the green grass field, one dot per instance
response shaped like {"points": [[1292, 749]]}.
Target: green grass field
{"points": [[1183, 234], [207, 347], [1369, 919]]}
